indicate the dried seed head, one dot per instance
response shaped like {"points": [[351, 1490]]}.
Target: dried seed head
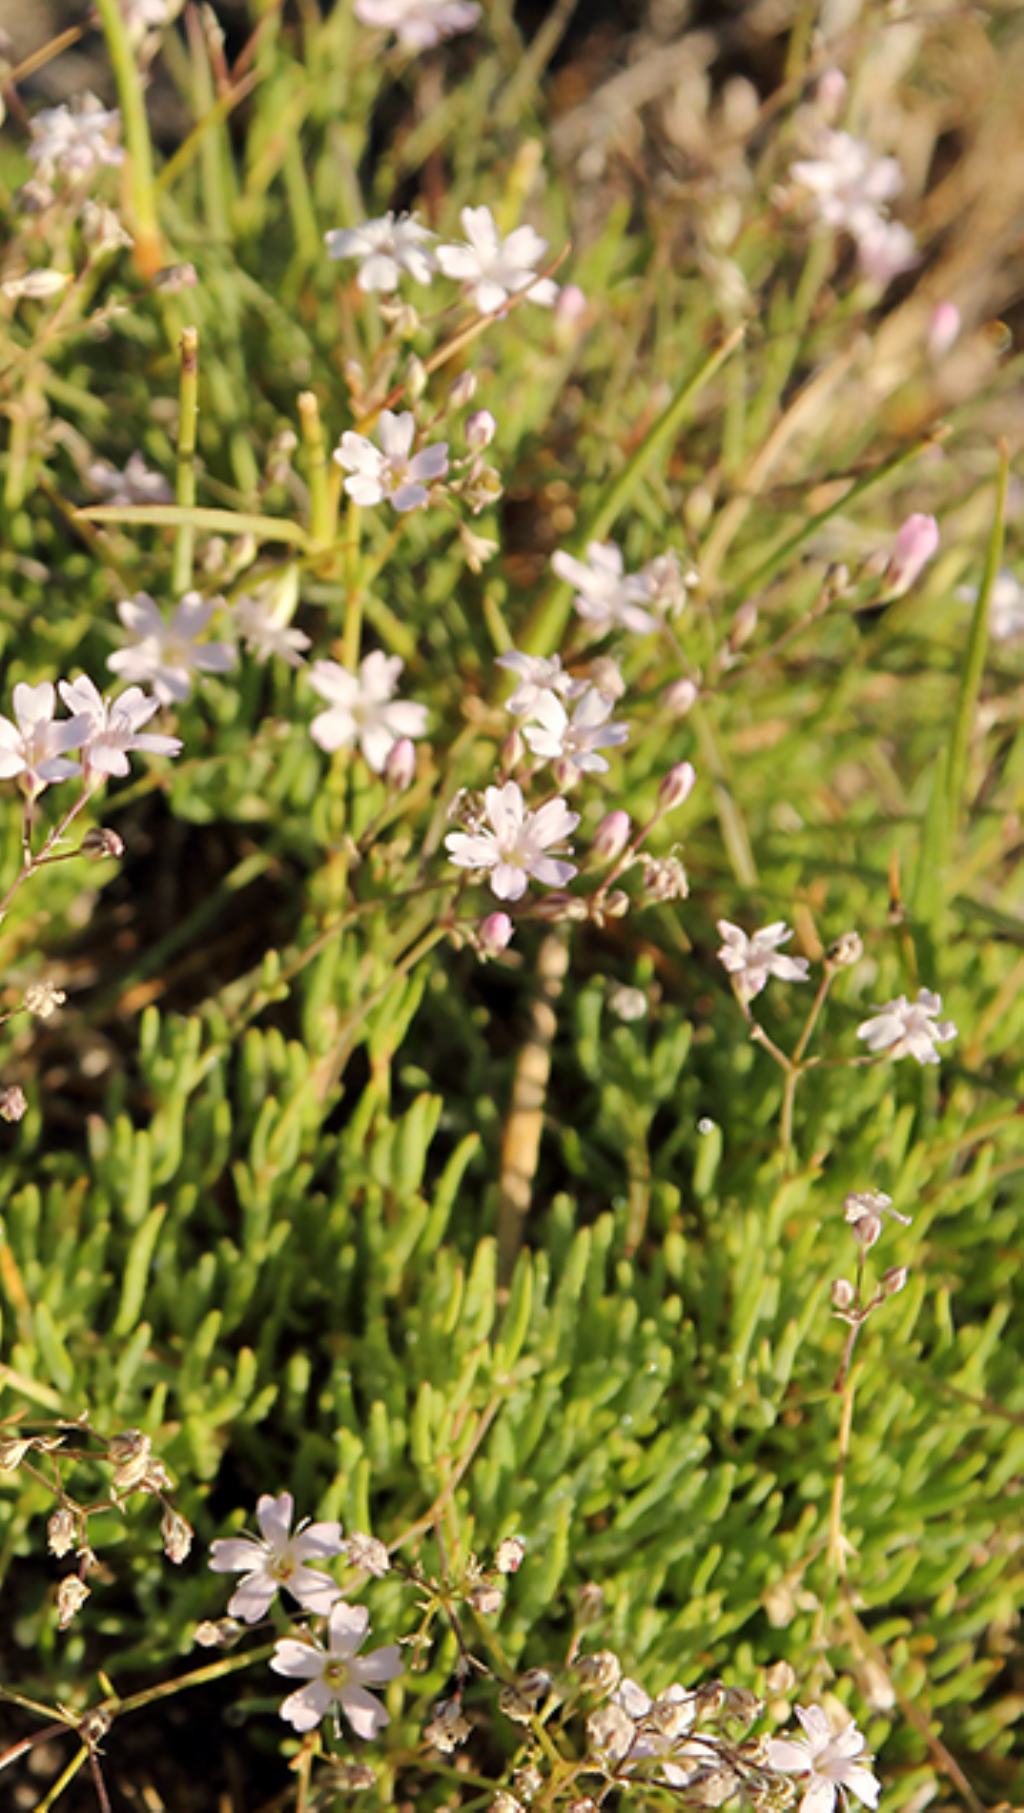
{"points": [[664, 878], [100, 842], [13, 1451], [515, 1706], [61, 1531], [508, 1556], [534, 1685], [72, 1594], [217, 1633], [846, 950], [504, 1802], [599, 1673], [527, 1782], [866, 1230], [368, 1553], [894, 1280], [13, 1103], [780, 1678], [612, 836], [712, 1787], [843, 1294], [487, 1600], [176, 1532], [131, 1455], [448, 1727], [610, 1732], [43, 999]]}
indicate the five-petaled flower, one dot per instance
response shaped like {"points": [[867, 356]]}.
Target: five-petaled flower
{"points": [[165, 655], [494, 268], [751, 960], [388, 471], [337, 1676], [419, 24], [607, 597], [385, 248], [903, 1028], [75, 140], [362, 708], [514, 847], [828, 1758], [537, 675], [114, 726], [35, 745], [278, 1559], [575, 741]]}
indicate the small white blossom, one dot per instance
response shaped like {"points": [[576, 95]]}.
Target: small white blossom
{"points": [[885, 249], [514, 848], [828, 1759], [114, 726], [751, 960], [852, 187], [137, 484], [871, 1202], [659, 1727], [34, 745], [277, 1558], [165, 655], [606, 596], [386, 247], [575, 741], [905, 1028], [43, 999], [537, 675], [363, 708], [264, 632], [337, 1676], [74, 141], [387, 471], [495, 268], [419, 24]]}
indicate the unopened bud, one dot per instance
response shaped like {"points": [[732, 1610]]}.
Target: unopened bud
{"points": [[400, 766], [943, 328], [101, 841], [612, 836], [416, 378], [481, 428], [915, 544], [894, 1280], [599, 1673], [508, 1556], [830, 92], [176, 277], [511, 752], [843, 1294], [494, 934], [463, 390], [571, 307], [616, 904], [215, 1633], [780, 1678], [866, 1230], [566, 774], [589, 1604], [61, 1531], [72, 1594], [487, 1600], [680, 697], [676, 786], [13, 1104], [846, 950], [743, 624], [176, 1534]]}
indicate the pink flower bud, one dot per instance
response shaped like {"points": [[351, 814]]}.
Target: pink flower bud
{"points": [[512, 751], [676, 786], [842, 1294], [680, 697], [916, 542], [463, 390], [612, 836], [494, 933], [831, 92], [481, 428], [894, 1280], [943, 328], [571, 306], [400, 766]]}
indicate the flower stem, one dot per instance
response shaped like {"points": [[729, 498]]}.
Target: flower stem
{"points": [[148, 251], [185, 475], [321, 514]]}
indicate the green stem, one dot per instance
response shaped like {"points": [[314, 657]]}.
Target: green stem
{"points": [[148, 251], [321, 514], [185, 478], [970, 684]]}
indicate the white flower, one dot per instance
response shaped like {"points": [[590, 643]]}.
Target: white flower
{"points": [[905, 1028], [514, 847], [419, 24], [576, 740], [34, 745], [278, 1559], [165, 655], [264, 631], [387, 247], [114, 726], [885, 249], [74, 140], [829, 1760], [538, 676], [750, 961], [363, 708], [497, 268], [848, 181], [660, 1725], [336, 1676], [667, 583], [387, 471], [606, 596], [137, 484]]}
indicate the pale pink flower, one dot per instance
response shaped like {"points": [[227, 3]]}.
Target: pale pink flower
{"points": [[538, 674], [915, 544], [388, 471], [137, 484], [848, 181], [494, 934], [943, 328], [905, 1028], [363, 708], [337, 1676], [829, 1760], [606, 596], [74, 140], [497, 268], [114, 726], [386, 247], [165, 655], [575, 741], [514, 848], [885, 249], [34, 745], [751, 960], [419, 24], [261, 620], [278, 1559]]}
